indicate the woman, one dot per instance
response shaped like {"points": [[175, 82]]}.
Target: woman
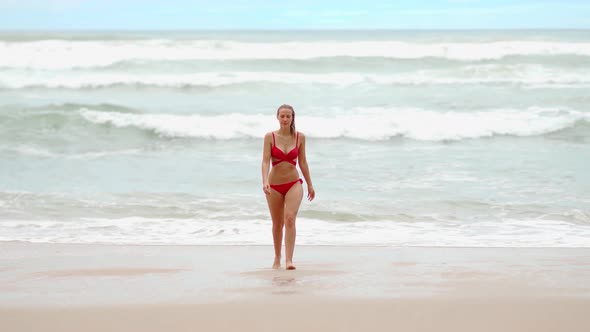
{"points": [[281, 184]]}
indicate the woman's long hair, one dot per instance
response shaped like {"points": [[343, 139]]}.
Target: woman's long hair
{"points": [[289, 107]]}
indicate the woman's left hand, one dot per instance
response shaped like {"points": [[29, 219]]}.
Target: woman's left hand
{"points": [[310, 193]]}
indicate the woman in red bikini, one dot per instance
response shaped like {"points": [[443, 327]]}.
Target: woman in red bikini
{"points": [[281, 184]]}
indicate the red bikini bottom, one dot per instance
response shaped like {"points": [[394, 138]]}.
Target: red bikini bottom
{"points": [[284, 188]]}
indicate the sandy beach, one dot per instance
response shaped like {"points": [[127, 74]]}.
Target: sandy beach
{"points": [[62, 287]]}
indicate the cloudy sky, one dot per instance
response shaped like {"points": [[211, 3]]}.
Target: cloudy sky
{"points": [[300, 14]]}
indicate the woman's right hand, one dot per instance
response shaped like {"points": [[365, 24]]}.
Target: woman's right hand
{"points": [[266, 188]]}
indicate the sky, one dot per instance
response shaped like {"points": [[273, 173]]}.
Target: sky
{"points": [[299, 14]]}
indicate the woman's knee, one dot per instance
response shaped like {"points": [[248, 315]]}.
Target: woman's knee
{"points": [[278, 224], [290, 220]]}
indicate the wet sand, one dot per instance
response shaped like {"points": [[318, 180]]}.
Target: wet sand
{"points": [[225, 288]]}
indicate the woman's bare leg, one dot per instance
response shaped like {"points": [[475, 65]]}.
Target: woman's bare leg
{"points": [[292, 203], [276, 205]]}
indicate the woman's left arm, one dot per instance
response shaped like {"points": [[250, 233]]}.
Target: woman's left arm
{"points": [[305, 168]]}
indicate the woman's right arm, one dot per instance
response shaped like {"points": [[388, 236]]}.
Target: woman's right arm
{"points": [[266, 163]]}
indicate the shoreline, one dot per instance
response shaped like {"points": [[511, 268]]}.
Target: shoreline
{"points": [[108, 244]]}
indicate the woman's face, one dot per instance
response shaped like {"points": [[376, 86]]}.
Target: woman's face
{"points": [[285, 117]]}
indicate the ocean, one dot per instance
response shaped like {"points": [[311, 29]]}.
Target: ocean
{"points": [[414, 138]]}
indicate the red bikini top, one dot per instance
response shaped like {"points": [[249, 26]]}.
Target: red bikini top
{"points": [[280, 156]]}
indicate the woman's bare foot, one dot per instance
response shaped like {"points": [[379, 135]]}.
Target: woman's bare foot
{"points": [[290, 266], [277, 264]]}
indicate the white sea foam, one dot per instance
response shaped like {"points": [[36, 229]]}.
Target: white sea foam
{"points": [[52, 54], [363, 123], [138, 230], [36, 151], [472, 74]]}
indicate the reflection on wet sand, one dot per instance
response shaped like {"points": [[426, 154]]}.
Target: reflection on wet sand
{"points": [[283, 281]]}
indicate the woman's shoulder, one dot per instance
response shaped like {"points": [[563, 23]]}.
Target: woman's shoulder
{"points": [[268, 136]]}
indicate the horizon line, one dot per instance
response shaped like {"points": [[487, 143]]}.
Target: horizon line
{"points": [[288, 30]]}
